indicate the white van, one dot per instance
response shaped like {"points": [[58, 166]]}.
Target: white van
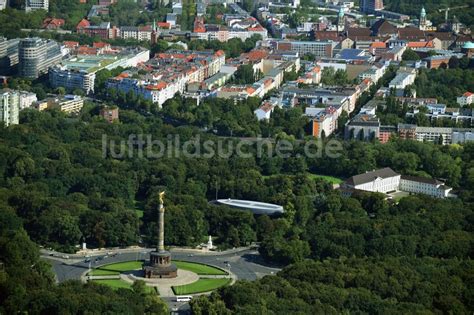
{"points": [[184, 298]]}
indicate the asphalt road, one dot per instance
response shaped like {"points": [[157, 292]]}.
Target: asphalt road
{"points": [[245, 264]]}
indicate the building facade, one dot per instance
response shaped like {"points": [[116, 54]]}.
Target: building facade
{"points": [[36, 56], [370, 6], [383, 180], [387, 181], [9, 107], [425, 186], [36, 5], [8, 55], [318, 49], [79, 71]]}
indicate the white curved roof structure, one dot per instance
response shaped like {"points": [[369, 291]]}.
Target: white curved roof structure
{"points": [[255, 206]]}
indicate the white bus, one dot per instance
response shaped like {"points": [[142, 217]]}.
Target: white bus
{"points": [[184, 298]]}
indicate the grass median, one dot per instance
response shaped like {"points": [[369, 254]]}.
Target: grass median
{"points": [[116, 269], [200, 269], [202, 285]]}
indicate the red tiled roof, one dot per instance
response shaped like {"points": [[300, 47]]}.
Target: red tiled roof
{"points": [[159, 86], [163, 25], [428, 44], [53, 22], [378, 45], [100, 45], [266, 107], [255, 55], [86, 50], [70, 44], [326, 35], [467, 94], [83, 24], [250, 90], [255, 29]]}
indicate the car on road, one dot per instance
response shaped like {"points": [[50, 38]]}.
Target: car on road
{"points": [[65, 256], [87, 260]]}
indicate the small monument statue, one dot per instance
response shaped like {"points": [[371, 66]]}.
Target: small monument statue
{"points": [[160, 265], [209, 243]]}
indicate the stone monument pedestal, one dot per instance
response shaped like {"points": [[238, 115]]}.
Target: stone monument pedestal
{"points": [[160, 266]]}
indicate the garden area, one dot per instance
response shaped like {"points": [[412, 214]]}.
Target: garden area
{"points": [[202, 285], [200, 269], [117, 268]]}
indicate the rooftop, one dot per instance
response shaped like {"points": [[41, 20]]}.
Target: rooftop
{"points": [[254, 206], [371, 176]]}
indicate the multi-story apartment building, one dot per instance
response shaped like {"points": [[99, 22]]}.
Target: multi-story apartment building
{"points": [[8, 55], [370, 6], [466, 99], [363, 127], [27, 99], [140, 33], [323, 121], [104, 30], [71, 104], [36, 5], [438, 135], [169, 73], [9, 107], [78, 72], [36, 56], [404, 77], [318, 49]]}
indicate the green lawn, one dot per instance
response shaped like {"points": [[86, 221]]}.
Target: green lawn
{"points": [[120, 284], [202, 285], [115, 269], [200, 269], [331, 179]]}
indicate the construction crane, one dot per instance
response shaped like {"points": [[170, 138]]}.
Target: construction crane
{"points": [[446, 11]]}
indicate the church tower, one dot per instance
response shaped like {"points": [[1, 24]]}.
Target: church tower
{"points": [[341, 21], [423, 22]]}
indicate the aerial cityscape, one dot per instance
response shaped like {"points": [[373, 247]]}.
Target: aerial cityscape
{"points": [[236, 157]]}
